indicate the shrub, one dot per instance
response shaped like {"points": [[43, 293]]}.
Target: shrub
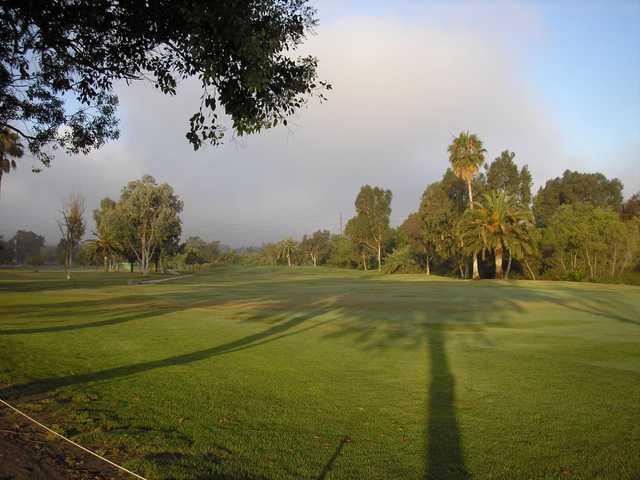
{"points": [[402, 260]]}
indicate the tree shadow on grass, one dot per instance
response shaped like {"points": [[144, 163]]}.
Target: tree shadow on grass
{"points": [[329, 465], [444, 456], [371, 319], [279, 330]]}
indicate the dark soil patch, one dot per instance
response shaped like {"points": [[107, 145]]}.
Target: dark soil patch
{"points": [[28, 453]]}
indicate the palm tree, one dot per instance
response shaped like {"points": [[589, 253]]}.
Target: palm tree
{"points": [[497, 224], [466, 155], [10, 149]]}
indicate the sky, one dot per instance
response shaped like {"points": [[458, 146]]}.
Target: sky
{"points": [[558, 83]]}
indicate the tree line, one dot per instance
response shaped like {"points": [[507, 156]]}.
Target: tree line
{"points": [[479, 220], [482, 220]]}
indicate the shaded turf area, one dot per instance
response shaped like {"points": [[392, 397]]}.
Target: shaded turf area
{"points": [[318, 373]]}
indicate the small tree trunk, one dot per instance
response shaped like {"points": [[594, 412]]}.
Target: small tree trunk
{"points": [[364, 262], [613, 262], [506, 275], [533, 276], [379, 256], [106, 264], [131, 265], [590, 264], [499, 272], [67, 264], [289, 259], [428, 271]]}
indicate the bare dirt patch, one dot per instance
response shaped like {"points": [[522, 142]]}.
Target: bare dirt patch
{"points": [[28, 453]]}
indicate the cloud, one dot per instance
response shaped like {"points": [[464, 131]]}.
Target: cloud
{"points": [[402, 89]]}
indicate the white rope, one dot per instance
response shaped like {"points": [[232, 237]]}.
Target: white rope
{"points": [[71, 441]]}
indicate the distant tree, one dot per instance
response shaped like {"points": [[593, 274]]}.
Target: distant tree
{"points": [[10, 149], [6, 255], [25, 244], [59, 62], [373, 208], [631, 208], [149, 214], [497, 224], [357, 231], [466, 155], [503, 174], [271, 252], [440, 216], [72, 227], [317, 246], [287, 250], [414, 233], [195, 251], [573, 188], [107, 245], [192, 258], [343, 252], [587, 242]]}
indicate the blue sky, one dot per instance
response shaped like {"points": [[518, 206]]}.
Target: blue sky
{"points": [[582, 56], [590, 71]]}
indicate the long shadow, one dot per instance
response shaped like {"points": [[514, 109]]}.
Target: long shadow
{"points": [[273, 333], [81, 326], [329, 465], [444, 456]]}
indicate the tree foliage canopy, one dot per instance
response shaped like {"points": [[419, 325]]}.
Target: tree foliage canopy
{"points": [[577, 187], [60, 61], [503, 174]]}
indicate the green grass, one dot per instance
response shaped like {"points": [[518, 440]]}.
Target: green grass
{"points": [[303, 373]]}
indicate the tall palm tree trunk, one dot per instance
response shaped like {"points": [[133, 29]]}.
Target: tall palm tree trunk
{"points": [[476, 272], [499, 272]]}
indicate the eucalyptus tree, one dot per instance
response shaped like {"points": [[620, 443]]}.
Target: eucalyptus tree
{"points": [[414, 233], [631, 208], [498, 223], [573, 188], [373, 209], [466, 155], [588, 242], [317, 246], [72, 227], [503, 174], [440, 216], [148, 214], [287, 249], [357, 231]]}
